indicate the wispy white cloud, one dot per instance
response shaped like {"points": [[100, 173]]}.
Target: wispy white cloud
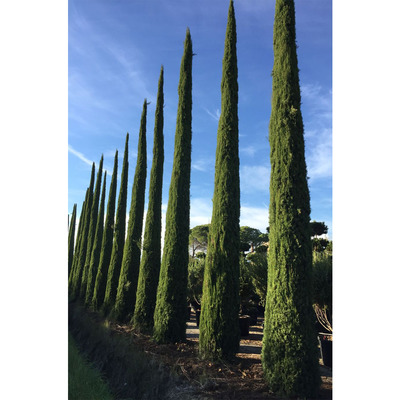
{"points": [[317, 106], [214, 114], [319, 158], [200, 211], [248, 150], [254, 178], [255, 217], [203, 164], [80, 155]]}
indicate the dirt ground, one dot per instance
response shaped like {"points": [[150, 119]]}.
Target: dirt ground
{"points": [[240, 379]]}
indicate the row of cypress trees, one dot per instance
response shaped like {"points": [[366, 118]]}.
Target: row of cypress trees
{"points": [[114, 278], [107, 280]]}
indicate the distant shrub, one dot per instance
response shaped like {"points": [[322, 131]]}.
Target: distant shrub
{"points": [[322, 280]]}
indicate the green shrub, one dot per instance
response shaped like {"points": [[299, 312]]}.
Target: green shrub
{"points": [[322, 280]]}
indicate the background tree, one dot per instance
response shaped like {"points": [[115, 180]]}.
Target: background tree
{"points": [[198, 238], [195, 280], [77, 243], [219, 319], [170, 312], [95, 256], [76, 283], [318, 228], [119, 238], [71, 238], [289, 352], [126, 292], [258, 271], [149, 271], [106, 242], [252, 236], [92, 228]]}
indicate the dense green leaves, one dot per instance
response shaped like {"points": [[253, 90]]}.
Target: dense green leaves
{"points": [[126, 292], [151, 255], [83, 242], [289, 353], [219, 320], [106, 242], [198, 238], [170, 312], [92, 228], [119, 238], [95, 256], [71, 238]]}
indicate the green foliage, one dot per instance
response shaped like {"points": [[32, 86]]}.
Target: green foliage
{"points": [[318, 228], [84, 381], [126, 292], [195, 279], [92, 228], [322, 280], [252, 236], [219, 319], [170, 312], [198, 238], [71, 238], [258, 270], [106, 242], [119, 238], [289, 352], [83, 243], [319, 244], [95, 256], [151, 256], [246, 287], [77, 244]]}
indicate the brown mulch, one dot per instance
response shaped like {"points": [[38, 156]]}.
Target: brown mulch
{"points": [[242, 378]]}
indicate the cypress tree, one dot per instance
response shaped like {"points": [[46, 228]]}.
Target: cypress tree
{"points": [[71, 238], [119, 238], [170, 312], [77, 244], [76, 284], [289, 352], [219, 319], [151, 255], [92, 228], [106, 242], [126, 292], [95, 256]]}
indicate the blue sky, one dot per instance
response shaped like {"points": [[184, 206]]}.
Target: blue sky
{"points": [[115, 51]]}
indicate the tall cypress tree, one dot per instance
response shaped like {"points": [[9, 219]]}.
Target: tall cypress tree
{"points": [[106, 242], [77, 244], [219, 320], [71, 238], [126, 292], [119, 238], [289, 352], [170, 312], [95, 256], [151, 255], [76, 284], [92, 228]]}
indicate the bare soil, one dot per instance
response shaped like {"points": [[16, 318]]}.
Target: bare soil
{"points": [[242, 378]]}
